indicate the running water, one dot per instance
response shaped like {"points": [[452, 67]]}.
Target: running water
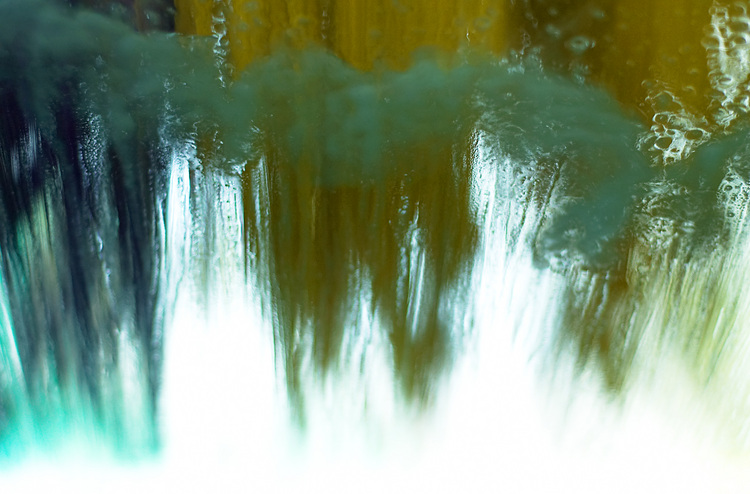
{"points": [[209, 262]]}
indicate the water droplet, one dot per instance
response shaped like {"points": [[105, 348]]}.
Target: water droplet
{"points": [[579, 44], [711, 42], [663, 143], [554, 31], [695, 134], [598, 13], [482, 23], [725, 81]]}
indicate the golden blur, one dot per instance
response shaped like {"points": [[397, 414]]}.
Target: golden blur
{"points": [[408, 240], [637, 49], [677, 64], [628, 47], [362, 33], [320, 246]]}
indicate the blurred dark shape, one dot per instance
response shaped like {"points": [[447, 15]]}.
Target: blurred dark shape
{"points": [[81, 240], [143, 15]]}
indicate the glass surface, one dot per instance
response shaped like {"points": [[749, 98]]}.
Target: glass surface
{"points": [[475, 245]]}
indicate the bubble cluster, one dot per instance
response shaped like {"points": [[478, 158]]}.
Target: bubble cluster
{"points": [[733, 196], [727, 44], [662, 220], [675, 132]]}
